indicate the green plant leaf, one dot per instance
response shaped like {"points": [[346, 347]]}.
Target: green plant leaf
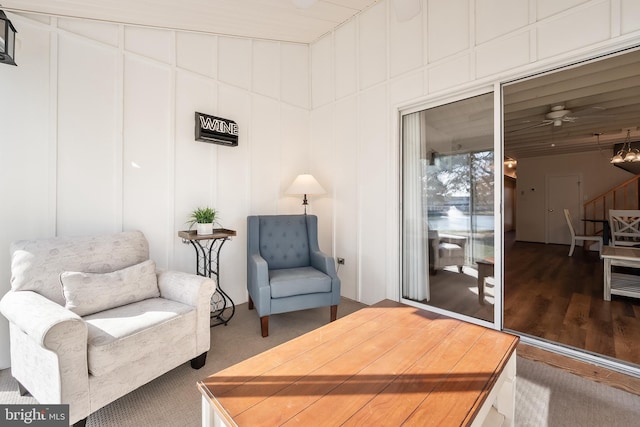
{"points": [[204, 215]]}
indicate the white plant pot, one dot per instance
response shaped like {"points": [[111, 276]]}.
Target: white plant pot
{"points": [[204, 228]]}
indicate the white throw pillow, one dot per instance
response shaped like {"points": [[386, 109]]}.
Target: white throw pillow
{"points": [[88, 293]]}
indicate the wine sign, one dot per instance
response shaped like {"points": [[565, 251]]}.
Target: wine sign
{"points": [[216, 130]]}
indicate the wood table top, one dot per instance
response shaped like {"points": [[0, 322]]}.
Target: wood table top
{"points": [[621, 252], [386, 364], [218, 233]]}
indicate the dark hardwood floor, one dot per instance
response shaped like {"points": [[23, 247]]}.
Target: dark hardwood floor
{"points": [[458, 292], [560, 299]]}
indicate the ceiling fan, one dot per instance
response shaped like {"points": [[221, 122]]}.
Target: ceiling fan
{"points": [[556, 117]]}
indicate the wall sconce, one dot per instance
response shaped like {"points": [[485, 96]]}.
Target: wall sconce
{"points": [[510, 163], [7, 40], [305, 184]]}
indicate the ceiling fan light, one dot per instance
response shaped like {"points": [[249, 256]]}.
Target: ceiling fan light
{"points": [[617, 158], [557, 122], [630, 157]]}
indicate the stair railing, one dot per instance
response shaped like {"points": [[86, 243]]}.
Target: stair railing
{"points": [[622, 196]]}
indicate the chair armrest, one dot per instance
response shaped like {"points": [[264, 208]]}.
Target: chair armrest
{"points": [[48, 350], [456, 240], [45, 321], [326, 264], [193, 290], [184, 287], [323, 262], [258, 283]]}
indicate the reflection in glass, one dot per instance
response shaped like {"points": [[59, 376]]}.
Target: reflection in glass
{"points": [[2, 31], [448, 207]]}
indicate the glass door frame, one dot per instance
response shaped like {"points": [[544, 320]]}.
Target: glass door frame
{"points": [[498, 238], [498, 119], [554, 347]]}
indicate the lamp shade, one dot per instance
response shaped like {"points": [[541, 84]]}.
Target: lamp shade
{"points": [[305, 184]]}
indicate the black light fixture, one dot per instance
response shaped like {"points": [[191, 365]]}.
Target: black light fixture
{"points": [[7, 40]]}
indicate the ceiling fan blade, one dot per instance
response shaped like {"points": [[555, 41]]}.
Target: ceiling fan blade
{"points": [[589, 111], [537, 125]]}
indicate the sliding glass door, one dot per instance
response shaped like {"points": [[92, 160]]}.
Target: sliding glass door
{"points": [[448, 186]]}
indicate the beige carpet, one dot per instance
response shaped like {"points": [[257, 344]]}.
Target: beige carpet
{"points": [[546, 396]]}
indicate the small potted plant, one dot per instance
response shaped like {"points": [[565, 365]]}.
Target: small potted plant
{"points": [[203, 218]]}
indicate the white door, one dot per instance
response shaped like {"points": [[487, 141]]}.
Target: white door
{"points": [[562, 191]]}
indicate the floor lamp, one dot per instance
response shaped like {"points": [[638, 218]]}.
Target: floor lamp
{"points": [[305, 184]]}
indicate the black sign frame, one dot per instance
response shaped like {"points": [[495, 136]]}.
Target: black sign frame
{"points": [[216, 130]]}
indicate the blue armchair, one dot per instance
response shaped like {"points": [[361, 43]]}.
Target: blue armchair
{"points": [[286, 271]]}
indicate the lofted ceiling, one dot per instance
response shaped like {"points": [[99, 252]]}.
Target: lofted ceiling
{"points": [[283, 20]]}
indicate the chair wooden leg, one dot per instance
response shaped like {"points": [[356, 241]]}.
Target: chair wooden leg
{"points": [[334, 312], [251, 306], [264, 326]]}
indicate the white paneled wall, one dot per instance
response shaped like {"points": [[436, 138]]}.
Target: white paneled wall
{"points": [[88, 141], [373, 197], [294, 69], [346, 167], [324, 154], [344, 60], [372, 46], [98, 136], [514, 14], [364, 72], [234, 61], [405, 45], [27, 156], [197, 53], [447, 25], [148, 147]]}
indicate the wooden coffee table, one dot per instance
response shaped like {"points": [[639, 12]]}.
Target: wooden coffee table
{"points": [[386, 364]]}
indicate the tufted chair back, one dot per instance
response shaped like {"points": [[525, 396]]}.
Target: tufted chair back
{"points": [[284, 241]]}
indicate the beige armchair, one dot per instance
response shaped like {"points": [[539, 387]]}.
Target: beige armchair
{"points": [[91, 319], [446, 250]]}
